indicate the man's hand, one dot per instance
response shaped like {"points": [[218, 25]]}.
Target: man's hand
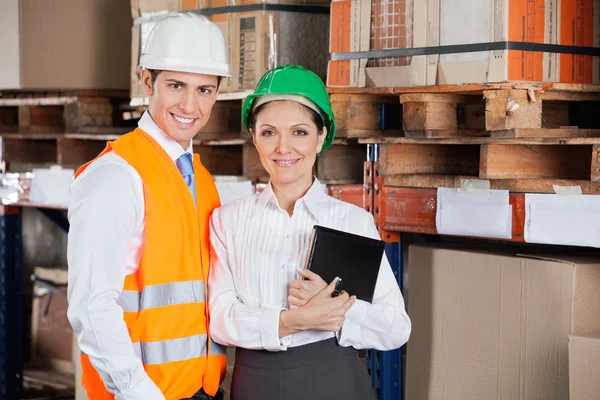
{"points": [[302, 291]]}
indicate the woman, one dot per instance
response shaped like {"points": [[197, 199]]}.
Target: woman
{"points": [[294, 340]]}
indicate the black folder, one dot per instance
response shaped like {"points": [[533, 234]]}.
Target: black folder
{"points": [[353, 258]]}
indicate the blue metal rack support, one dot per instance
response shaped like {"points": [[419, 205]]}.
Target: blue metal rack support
{"points": [[11, 304], [385, 367]]}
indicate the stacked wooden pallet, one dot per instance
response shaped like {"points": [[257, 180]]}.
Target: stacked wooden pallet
{"points": [[66, 128], [70, 128], [525, 138]]}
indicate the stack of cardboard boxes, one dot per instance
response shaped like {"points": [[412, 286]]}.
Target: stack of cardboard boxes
{"points": [[64, 44], [425, 23], [257, 40], [495, 324]]}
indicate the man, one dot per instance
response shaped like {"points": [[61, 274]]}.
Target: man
{"points": [[139, 242]]}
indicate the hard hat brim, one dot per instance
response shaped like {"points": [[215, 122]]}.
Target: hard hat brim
{"points": [[185, 65]]}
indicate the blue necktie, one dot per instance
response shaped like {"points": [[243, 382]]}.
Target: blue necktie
{"points": [[185, 166]]}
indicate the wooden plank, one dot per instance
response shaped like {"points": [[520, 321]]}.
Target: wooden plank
{"points": [[467, 88], [532, 162], [470, 88], [428, 159], [38, 101], [368, 133], [569, 96], [342, 163], [506, 94], [225, 142], [105, 130], [432, 98], [483, 140], [358, 111], [24, 119], [547, 133], [511, 109], [429, 116], [571, 87], [365, 90], [446, 133], [512, 185]]}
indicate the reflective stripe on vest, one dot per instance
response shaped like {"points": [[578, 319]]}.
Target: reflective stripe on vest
{"points": [[166, 294], [172, 350]]}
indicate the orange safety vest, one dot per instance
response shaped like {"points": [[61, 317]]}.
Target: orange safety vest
{"points": [[165, 301]]}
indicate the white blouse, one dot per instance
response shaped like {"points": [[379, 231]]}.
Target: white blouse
{"points": [[256, 249]]}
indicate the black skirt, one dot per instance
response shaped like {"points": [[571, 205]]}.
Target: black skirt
{"points": [[321, 370]]}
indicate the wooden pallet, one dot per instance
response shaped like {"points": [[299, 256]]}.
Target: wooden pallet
{"points": [[340, 164], [65, 111], [503, 110], [522, 165]]}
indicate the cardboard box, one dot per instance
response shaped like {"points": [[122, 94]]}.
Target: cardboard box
{"points": [[146, 7], [380, 25], [474, 21], [225, 3], [395, 24], [64, 44], [9, 44], [495, 326], [579, 25], [584, 367], [258, 41], [349, 32]]}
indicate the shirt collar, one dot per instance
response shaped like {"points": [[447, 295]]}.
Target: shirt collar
{"points": [[173, 149], [315, 199]]}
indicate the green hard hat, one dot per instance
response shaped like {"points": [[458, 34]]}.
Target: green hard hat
{"points": [[293, 80]]}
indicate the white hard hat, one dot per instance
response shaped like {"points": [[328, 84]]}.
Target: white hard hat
{"points": [[186, 42]]}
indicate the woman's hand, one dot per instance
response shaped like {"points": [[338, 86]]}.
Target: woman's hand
{"points": [[321, 313], [326, 313], [301, 291]]}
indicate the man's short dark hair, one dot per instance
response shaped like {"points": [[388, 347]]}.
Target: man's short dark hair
{"points": [[154, 73]]}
